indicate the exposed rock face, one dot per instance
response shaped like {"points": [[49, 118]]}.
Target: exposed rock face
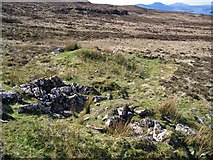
{"points": [[56, 97]]}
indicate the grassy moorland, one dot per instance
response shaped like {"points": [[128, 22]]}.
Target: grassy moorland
{"points": [[156, 65], [137, 81]]}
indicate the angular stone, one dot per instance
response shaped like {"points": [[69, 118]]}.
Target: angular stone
{"points": [[162, 135], [9, 97], [136, 129], [147, 122], [143, 112], [124, 112], [199, 120], [58, 51], [185, 129], [97, 99], [34, 109]]}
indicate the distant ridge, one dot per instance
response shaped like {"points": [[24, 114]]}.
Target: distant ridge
{"points": [[181, 7]]}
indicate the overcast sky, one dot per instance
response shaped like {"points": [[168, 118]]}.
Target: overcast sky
{"points": [[131, 2]]}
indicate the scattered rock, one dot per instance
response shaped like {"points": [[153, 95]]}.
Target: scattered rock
{"points": [[158, 133], [97, 104], [105, 117], [41, 86], [97, 99], [114, 120], [136, 129], [124, 112], [209, 116], [58, 51], [144, 112], [109, 97], [185, 129], [110, 122], [163, 135], [199, 120], [147, 122]]}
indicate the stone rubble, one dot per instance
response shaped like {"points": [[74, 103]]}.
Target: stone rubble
{"points": [[56, 97], [185, 129]]}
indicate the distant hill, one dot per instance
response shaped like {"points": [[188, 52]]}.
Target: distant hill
{"points": [[198, 9]]}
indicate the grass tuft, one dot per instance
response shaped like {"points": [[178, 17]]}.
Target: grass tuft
{"points": [[72, 46]]}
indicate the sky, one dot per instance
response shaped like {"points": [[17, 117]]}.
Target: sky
{"points": [[132, 2]]}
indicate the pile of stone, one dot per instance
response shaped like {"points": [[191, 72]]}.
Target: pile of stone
{"points": [[56, 97]]}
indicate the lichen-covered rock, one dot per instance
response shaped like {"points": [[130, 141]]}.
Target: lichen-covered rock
{"points": [[147, 122], [39, 86], [9, 97], [58, 51], [58, 96], [97, 99], [143, 112], [124, 112], [185, 129], [35, 109], [136, 129]]}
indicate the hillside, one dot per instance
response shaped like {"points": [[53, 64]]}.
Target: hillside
{"points": [[180, 7], [82, 80]]}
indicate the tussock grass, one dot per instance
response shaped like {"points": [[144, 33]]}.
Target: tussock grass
{"points": [[49, 139], [87, 54], [72, 46], [202, 141], [120, 129], [168, 108]]}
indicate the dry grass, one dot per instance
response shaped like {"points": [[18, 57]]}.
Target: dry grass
{"points": [[72, 46], [169, 109], [202, 141], [120, 129], [88, 104]]}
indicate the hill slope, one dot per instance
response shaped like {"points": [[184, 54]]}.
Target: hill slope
{"points": [[102, 82]]}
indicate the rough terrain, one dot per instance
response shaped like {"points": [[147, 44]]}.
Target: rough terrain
{"points": [[101, 81]]}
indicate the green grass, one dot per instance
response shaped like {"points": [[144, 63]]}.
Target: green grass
{"points": [[130, 79]]}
